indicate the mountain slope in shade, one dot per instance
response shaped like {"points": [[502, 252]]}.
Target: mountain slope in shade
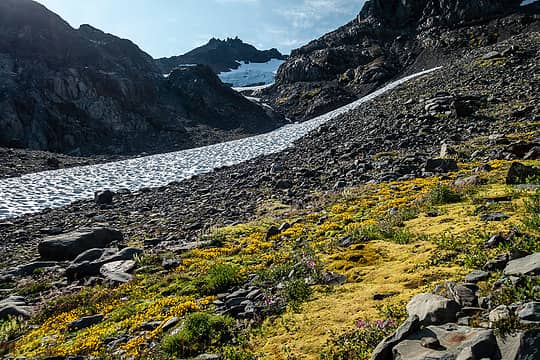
{"points": [[220, 55], [83, 91], [387, 38]]}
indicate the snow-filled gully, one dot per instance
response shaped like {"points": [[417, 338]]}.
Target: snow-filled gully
{"points": [[50, 189]]}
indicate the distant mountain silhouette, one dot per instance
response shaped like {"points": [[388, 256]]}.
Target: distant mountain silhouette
{"points": [[220, 55]]}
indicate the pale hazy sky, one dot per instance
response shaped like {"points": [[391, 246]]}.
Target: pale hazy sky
{"points": [[172, 27]]}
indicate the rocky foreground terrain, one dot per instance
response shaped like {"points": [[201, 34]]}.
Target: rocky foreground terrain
{"points": [[428, 193], [85, 92]]}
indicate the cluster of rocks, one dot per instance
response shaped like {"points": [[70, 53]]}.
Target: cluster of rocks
{"points": [[86, 256], [440, 327], [243, 303]]}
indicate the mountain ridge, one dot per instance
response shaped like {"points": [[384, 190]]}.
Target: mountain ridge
{"points": [[385, 39], [220, 55]]}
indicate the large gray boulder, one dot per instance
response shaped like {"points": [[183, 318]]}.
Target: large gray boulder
{"points": [[433, 309], [530, 312], [92, 261], [383, 351], [456, 342], [521, 346], [69, 246], [528, 265], [14, 306]]}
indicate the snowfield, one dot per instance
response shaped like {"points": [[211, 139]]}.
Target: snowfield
{"points": [[35, 192], [252, 73]]}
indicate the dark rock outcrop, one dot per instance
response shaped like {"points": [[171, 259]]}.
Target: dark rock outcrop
{"points": [[69, 246], [82, 91], [386, 40], [220, 55]]}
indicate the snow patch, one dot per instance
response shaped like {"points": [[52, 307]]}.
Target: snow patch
{"points": [[528, 2], [252, 73], [52, 189]]}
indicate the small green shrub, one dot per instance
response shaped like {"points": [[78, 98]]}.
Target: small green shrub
{"points": [[532, 206], [296, 292], [443, 194], [221, 278], [397, 312], [507, 327], [199, 332], [9, 329], [33, 288], [475, 258], [358, 344], [529, 290]]}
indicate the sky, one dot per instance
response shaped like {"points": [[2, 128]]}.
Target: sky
{"points": [[172, 27]]}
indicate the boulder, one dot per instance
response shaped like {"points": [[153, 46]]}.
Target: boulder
{"points": [[441, 165], [533, 154], [69, 246], [497, 216], [477, 276], [122, 266], [519, 173], [457, 342], [85, 322], [383, 351], [433, 309], [466, 295], [86, 264], [468, 181], [14, 311], [29, 269], [528, 265], [14, 306], [103, 197], [90, 255], [521, 346], [500, 313], [530, 312]]}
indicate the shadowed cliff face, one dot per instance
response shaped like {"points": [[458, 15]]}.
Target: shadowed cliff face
{"points": [[386, 38], [83, 91], [428, 13]]}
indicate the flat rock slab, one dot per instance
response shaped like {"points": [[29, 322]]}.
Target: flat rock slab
{"points": [[85, 322], [494, 217], [69, 246], [520, 346], [31, 268], [457, 342], [122, 266], [476, 276], [528, 265]]}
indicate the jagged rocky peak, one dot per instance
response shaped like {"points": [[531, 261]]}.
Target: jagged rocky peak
{"points": [[429, 13], [221, 55]]}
